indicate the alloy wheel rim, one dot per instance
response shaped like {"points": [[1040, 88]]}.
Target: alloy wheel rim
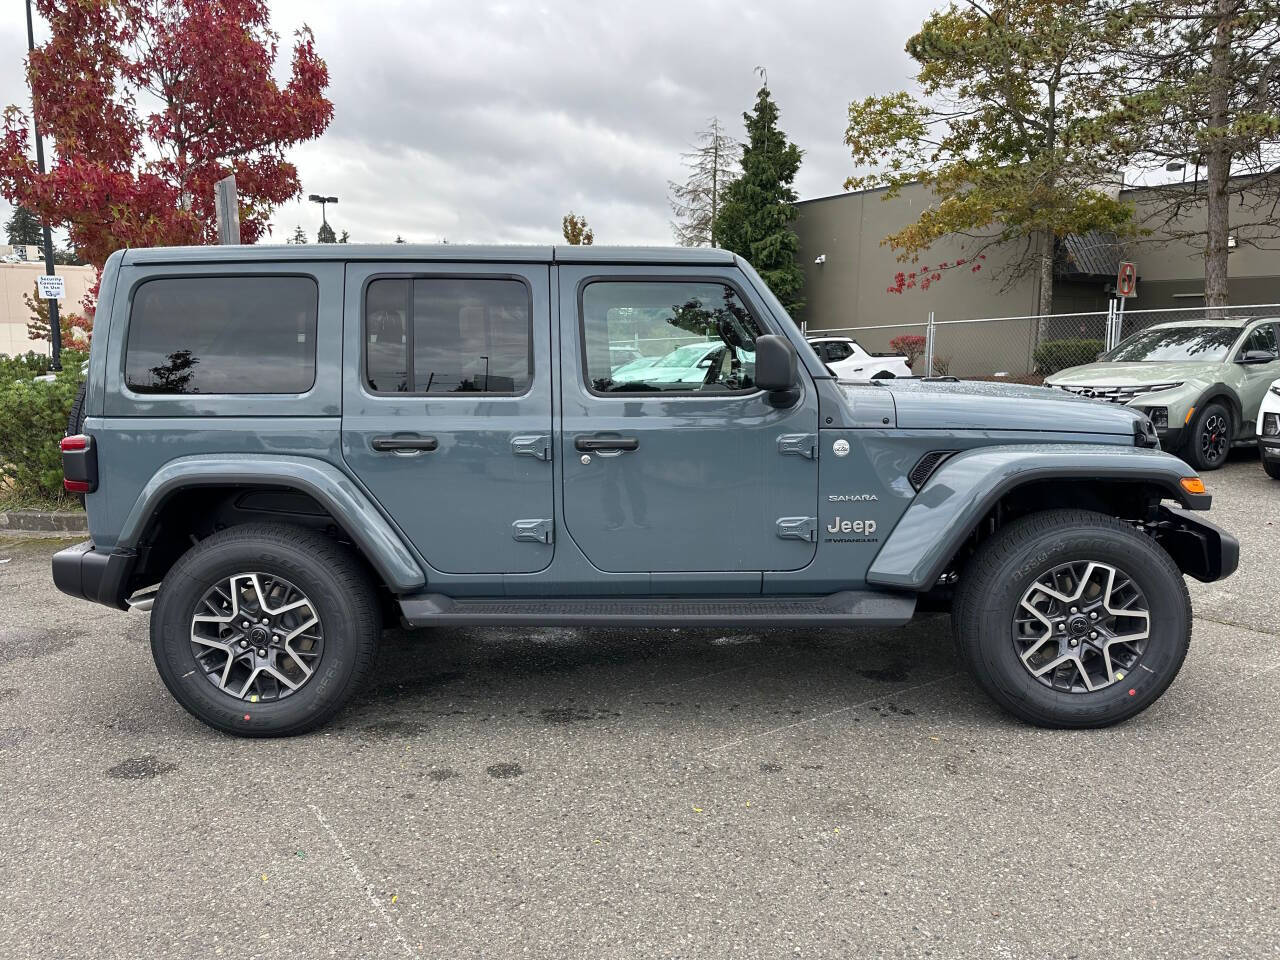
{"points": [[1081, 627], [257, 637], [1213, 438]]}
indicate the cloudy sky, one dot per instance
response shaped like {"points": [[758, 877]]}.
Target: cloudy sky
{"points": [[485, 122]]}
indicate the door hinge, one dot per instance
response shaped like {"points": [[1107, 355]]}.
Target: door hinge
{"points": [[801, 444], [798, 528], [534, 531], [538, 447]]}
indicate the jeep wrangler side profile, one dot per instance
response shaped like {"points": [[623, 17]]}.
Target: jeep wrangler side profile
{"points": [[281, 447]]}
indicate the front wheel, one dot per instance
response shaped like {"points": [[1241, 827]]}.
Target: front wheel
{"points": [[1072, 619], [1210, 439], [1272, 467], [265, 630]]}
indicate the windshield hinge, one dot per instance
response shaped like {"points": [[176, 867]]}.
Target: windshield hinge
{"points": [[801, 444], [798, 528]]}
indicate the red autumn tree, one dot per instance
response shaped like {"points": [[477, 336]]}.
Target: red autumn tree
{"points": [[148, 104]]}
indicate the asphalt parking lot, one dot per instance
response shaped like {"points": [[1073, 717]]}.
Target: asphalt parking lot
{"points": [[563, 793]]}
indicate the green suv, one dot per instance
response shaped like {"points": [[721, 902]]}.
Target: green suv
{"points": [[1200, 381]]}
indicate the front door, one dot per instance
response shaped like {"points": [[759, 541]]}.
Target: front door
{"points": [[1257, 377], [673, 461], [447, 408]]}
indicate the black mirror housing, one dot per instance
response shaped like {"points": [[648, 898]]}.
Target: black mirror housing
{"points": [[1257, 356], [775, 363]]}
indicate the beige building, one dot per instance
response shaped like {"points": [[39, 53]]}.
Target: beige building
{"points": [[848, 268], [17, 278]]}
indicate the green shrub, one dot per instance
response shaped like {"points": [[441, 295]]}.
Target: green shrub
{"points": [[1054, 355], [23, 366], [33, 418]]}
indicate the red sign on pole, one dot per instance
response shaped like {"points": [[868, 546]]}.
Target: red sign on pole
{"points": [[1127, 279]]}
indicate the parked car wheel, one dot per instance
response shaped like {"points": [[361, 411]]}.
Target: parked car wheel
{"points": [[265, 630], [1072, 619], [1209, 442], [1272, 467]]}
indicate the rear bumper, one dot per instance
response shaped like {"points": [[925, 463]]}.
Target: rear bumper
{"points": [[90, 574], [1199, 548]]}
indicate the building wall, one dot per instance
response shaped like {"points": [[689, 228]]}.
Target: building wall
{"points": [[851, 288], [19, 278]]}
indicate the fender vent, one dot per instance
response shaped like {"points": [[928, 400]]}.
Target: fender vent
{"points": [[925, 466]]}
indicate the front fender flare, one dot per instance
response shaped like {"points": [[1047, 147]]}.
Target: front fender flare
{"points": [[334, 490], [969, 484]]}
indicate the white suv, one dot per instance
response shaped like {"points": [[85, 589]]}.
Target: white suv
{"points": [[1269, 430], [848, 360]]}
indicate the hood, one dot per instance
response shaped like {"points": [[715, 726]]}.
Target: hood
{"points": [[1134, 374], [977, 405]]}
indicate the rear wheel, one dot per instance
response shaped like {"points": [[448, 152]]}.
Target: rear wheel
{"points": [[1069, 618], [265, 630], [1210, 439]]}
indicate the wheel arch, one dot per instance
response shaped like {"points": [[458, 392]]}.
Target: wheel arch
{"points": [[1223, 393], [975, 492], [196, 495]]}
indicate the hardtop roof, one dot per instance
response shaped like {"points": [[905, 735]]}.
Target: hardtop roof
{"points": [[437, 252]]}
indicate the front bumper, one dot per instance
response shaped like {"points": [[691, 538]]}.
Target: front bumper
{"points": [[1269, 448], [88, 573], [1199, 548], [1170, 438]]}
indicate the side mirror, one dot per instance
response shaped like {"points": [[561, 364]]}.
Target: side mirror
{"points": [[776, 368], [1257, 356]]}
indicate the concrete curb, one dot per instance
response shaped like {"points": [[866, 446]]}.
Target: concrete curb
{"points": [[40, 523]]}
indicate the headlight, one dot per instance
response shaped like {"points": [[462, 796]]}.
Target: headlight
{"points": [[1159, 416], [1157, 387], [1275, 389], [1271, 424]]}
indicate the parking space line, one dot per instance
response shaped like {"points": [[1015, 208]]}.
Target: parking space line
{"points": [[360, 879], [831, 713]]}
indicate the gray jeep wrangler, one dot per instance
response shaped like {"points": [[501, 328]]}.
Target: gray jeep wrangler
{"points": [[282, 447]]}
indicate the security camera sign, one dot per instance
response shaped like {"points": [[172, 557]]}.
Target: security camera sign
{"points": [[51, 287]]}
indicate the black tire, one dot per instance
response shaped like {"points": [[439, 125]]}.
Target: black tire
{"points": [[1209, 442], [1272, 467], [884, 375], [1006, 566], [75, 420], [325, 571]]}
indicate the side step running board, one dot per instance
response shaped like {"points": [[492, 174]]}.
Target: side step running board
{"points": [[848, 608]]}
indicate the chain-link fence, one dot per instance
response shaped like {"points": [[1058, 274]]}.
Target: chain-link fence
{"points": [[1021, 349]]}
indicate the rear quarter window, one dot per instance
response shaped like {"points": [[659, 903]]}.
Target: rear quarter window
{"points": [[222, 335]]}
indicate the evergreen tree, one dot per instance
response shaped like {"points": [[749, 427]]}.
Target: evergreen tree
{"points": [[23, 227], [345, 237], [713, 165], [326, 234], [400, 239], [755, 221], [298, 235]]}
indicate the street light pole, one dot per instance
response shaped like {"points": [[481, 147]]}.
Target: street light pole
{"points": [[55, 325], [323, 201]]}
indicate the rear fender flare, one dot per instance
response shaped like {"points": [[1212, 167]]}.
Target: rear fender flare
{"points": [[965, 488], [353, 511]]}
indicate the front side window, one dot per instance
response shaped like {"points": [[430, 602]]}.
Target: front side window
{"points": [[1261, 338], [667, 336], [448, 335], [222, 335]]}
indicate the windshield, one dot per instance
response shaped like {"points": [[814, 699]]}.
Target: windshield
{"points": [[1175, 344]]}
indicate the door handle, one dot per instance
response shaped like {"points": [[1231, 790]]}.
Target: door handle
{"points": [[596, 444], [397, 444]]}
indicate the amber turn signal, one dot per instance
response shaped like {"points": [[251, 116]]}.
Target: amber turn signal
{"points": [[1192, 484]]}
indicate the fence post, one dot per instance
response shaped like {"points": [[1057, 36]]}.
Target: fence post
{"points": [[804, 328], [928, 347], [1109, 331]]}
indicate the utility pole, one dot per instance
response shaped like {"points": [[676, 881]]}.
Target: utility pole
{"points": [[55, 325]]}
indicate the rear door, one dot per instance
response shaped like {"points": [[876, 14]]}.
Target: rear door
{"points": [[680, 472], [447, 408], [1256, 377]]}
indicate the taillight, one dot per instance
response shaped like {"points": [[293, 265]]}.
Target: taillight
{"points": [[79, 464]]}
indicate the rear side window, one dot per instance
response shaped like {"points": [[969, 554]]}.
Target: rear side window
{"points": [[448, 335], [222, 335]]}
